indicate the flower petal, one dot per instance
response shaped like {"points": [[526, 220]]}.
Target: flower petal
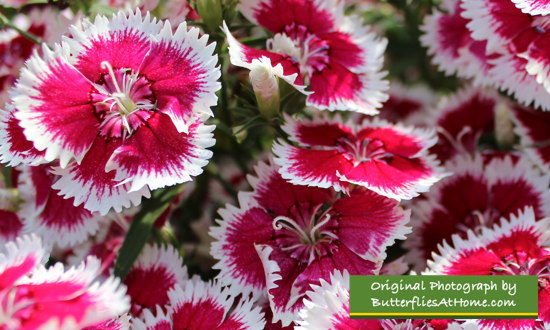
{"points": [[533, 7], [88, 182], [52, 104], [15, 149], [157, 155]]}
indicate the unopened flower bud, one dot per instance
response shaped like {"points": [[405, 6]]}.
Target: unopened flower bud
{"points": [[266, 87], [504, 127]]}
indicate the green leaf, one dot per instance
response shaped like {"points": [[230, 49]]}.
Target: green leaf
{"points": [[141, 226], [6, 172]]}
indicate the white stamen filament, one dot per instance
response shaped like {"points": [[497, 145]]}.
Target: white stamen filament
{"points": [[121, 97], [480, 217], [455, 142], [281, 222], [317, 226]]}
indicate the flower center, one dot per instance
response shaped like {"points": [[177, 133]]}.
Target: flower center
{"points": [[521, 263], [477, 220], [360, 151], [123, 101], [307, 50], [302, 233]]}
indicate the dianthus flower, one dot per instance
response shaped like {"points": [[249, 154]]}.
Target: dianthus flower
{"points": [[389, 159], [32, 296], [285, 237], [50, 216], [121, 104], [518, 246], [476, 195], [533, 128], [462, 119], [202, 306], [155, 272], [315, 44], [521, 37], [327, 307], [450, 43]]}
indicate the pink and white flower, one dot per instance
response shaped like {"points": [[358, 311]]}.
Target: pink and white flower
{"points": [[518, 246], [410, 105], [285, 237], [327, 307], [50, 216], [461, 120], [203, 306], [390, 159], [533, 128], [454, 51], [477, 195], [122, 105], [522, 40], [35, 297], [15, 149], [316, 45], [156, 271]]}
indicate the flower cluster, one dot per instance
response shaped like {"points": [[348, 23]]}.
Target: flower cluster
{"points": [[230, 164]]}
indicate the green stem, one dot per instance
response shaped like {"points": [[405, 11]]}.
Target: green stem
{"points": [[6, 22]]}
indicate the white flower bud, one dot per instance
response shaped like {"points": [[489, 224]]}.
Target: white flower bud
{"points": [[266, 87], [504, 127]]}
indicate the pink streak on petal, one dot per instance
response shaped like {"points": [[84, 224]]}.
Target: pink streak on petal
{"points": [[394, 141], [300, 275], [18, 143], [533, 7], [121, 49], [511, 24], [13, 272], [509, 197], [205, 313], [343, 50], [148, 287], [248, 228], [101, 190], [53, 300], [367, 221], [334, 84], [316, 167], [60, 213], [399, 175], [276, 195], [524, 240], [64, 109], [10, 225], [157, 151], [452, 32], [178, 79], [275, 15], [473, 262], [322, 134]]}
